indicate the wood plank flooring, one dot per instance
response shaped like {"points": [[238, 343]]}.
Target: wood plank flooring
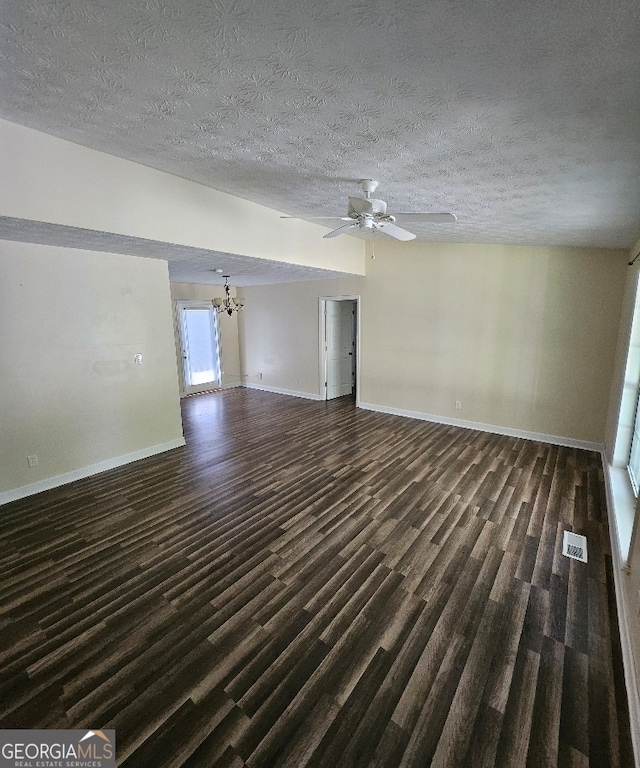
{"points": [[308, 584]]}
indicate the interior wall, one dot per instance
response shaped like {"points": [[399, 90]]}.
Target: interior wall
{"points": [[523, 337], [51, 180], [227, 327], [72, 322], [279, 332]]}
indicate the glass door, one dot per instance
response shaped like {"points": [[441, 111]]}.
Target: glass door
{"points": [[199, 345]]}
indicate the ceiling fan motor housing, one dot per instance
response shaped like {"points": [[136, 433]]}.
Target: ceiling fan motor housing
{"points": [[363, 205]]}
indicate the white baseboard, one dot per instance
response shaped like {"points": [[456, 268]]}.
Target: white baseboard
{"points": [[279, 391], [494, 429], [623, 603], [82, 472]]}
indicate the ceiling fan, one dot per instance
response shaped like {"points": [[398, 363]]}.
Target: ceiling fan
{"points": [[369, 214]]}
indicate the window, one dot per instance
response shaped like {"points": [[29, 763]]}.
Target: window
{"points": [[634, 453]]}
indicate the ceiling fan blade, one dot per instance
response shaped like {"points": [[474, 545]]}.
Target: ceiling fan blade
{"points": [[312, 217], [395, 231], [429, 218], [340, 230]]}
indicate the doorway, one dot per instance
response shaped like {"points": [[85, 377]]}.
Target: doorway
{"points": [[339, 346], [199, 346]]}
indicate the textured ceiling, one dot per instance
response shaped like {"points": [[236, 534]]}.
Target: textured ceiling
{"points": [[522, 119]]}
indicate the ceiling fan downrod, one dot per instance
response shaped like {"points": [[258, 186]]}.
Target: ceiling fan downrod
{"points": [[368, 186]]}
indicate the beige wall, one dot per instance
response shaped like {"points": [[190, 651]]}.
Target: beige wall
{"points": [[525, 337], [51, 180], [227, 327], [70, 393], [279, 332]]}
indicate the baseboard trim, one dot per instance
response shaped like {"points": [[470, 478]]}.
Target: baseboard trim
{"points": [[496, 430], [279, 391], [620, 577], [82, 472]]}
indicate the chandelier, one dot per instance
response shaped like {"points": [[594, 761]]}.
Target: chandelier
{"points": [[228, 304]]}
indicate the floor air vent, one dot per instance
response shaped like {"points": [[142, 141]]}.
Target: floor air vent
{"points": [[575, 546]]}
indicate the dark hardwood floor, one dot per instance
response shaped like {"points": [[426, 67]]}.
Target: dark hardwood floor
{"points": [[307, 584]]}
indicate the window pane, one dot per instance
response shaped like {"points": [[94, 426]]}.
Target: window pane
{"points": [[201, 367], [634, 454]]}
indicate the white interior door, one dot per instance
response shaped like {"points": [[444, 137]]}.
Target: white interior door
{"points": [[199, 346], [340, 347]]}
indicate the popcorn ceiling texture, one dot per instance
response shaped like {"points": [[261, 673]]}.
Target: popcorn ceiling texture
{"points": [[523, 119]]}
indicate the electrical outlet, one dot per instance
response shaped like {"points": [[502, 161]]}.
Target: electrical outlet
{"points": [[458, 405], [32, 461]]}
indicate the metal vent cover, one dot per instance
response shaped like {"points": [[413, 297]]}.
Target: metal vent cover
{"points": [[575, 546]]}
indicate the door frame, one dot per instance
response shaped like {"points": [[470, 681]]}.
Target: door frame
{"points": [[322, 345], [180, 305]]}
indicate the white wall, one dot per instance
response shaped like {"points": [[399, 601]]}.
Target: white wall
{"points": [[525, 337], [51, 180], [227, 326], [70, 393]]}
